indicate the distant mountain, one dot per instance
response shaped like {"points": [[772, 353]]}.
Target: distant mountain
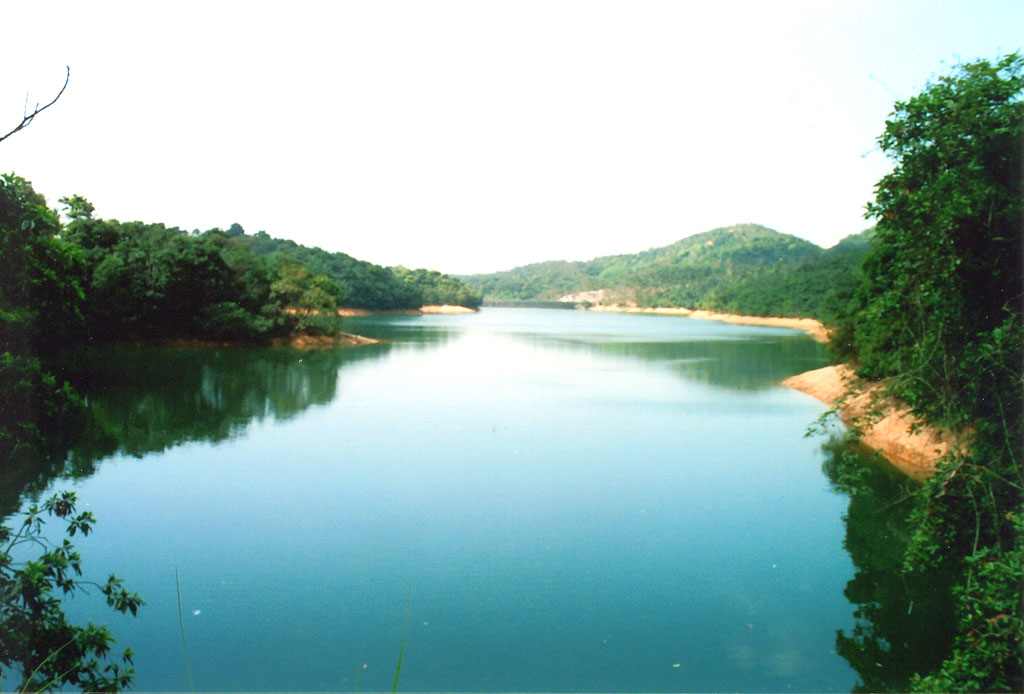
{"points": [[744, 268]]}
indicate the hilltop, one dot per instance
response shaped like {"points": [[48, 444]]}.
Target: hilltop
{"points": [[745, 268]]}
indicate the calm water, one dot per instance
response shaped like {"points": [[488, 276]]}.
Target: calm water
{"points": [[574, 501]]}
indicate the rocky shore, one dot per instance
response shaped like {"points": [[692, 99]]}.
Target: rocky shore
{"points": [[884, 424]]}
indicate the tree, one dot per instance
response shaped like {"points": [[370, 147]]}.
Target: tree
{"points": [[40, 298], [35, 635], [77, 207], [938, 316], [946, 269]]}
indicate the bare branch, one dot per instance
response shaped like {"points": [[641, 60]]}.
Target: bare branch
{"points": [[29, 117]]}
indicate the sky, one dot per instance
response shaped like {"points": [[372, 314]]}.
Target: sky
{"points": [[472, 135]]}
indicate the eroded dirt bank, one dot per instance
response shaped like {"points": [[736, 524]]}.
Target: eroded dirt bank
{"points": [[894, 432]]}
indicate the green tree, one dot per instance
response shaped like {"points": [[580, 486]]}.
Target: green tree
{"points": [[40, 298], [946, 267], [40, 312], [311, 300], [938, 316], [77, 207], [36, 638], [147, 280]]}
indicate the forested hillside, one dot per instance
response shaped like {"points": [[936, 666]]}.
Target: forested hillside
{"points": [[361, 284], [819, 287], [745, 268]]}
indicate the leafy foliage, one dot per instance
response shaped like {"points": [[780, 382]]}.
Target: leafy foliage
{"points": [[987, 651], [939, 317], [147, 280], [359, 284], [35, 635], [40, 311], [40, 298]]}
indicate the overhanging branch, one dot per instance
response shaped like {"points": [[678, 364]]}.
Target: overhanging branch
{"points": [[29, 117]]}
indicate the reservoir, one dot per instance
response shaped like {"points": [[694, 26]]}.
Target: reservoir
{"points": [[539, 500]]}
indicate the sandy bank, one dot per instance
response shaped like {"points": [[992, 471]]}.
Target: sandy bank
{"points": [[304, 341], [812, 327], [446, 308], [430, 308], [349, 312], [892, 433]]}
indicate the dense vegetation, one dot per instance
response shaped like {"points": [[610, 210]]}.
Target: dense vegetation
{"points": [[939, 318], [745, 268], [819, 287], [361, 284]]}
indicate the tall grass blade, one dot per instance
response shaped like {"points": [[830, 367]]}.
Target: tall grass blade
{"points": [[30, 678], [181, 624], [56, 680], [401, 651]]}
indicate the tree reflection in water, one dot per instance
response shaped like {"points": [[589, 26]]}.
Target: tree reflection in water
{"points": [[146, 399], [904, 619]]}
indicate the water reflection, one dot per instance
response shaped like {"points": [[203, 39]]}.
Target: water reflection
{"points": [[744, 364], [730, 356], [421, 332], [904, 621], [149, 399]]}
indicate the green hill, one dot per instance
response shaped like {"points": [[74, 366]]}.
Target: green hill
{"points": [[363, 284], [819, 286], [745, 268]]}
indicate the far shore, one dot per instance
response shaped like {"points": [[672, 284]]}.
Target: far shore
{"points": [[422, 310], [907, 443], [812, 327]]}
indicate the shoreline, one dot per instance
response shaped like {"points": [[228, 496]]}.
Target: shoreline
{"points": [[306, 341], [421, 311], [908, 444], [813, 327], [299, 340]]}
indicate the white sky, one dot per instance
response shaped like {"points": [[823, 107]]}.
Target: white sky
{"points": [[473, 136]]}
